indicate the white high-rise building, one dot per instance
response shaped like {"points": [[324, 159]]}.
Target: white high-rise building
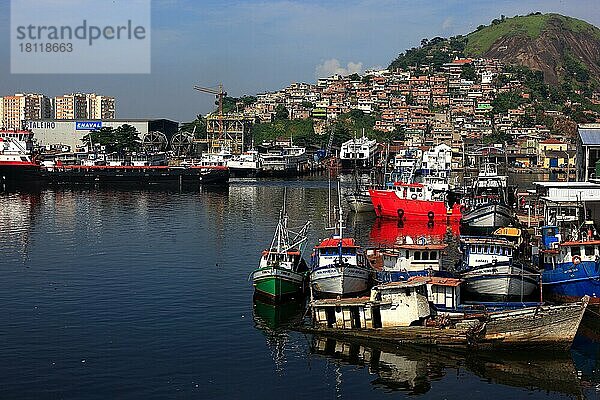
{"points": [[23, 106]]}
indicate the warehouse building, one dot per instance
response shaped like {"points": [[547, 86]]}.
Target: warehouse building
{"points": [[60, 133]]}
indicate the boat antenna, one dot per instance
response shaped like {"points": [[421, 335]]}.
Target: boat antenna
{"points": [[329, 198], [340, 212]]}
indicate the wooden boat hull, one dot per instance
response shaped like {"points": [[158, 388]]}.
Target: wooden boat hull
{"points": [[339, 280], [279, 283], [552, 327]]}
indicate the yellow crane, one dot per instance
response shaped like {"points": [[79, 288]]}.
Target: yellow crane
{"points": [[219, 95]]}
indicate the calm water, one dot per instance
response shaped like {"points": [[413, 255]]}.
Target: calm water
{"points": [[144, 294]]}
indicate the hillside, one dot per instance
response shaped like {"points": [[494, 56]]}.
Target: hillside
{"points": [[563, 48]]}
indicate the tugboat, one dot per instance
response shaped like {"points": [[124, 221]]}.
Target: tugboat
{"points": [[16, 162], [282, 272], [338, 265]]}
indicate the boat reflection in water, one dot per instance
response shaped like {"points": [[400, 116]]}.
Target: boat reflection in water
{"points": [[387, 232], [275, 321], [415, 370]]}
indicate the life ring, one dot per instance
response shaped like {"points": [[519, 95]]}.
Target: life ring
{"points": [[400, 213], [413, 196], [421, 194], [576, 260], [430, 215]]}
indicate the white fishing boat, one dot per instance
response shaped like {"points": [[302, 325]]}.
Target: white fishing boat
{"points": [[338, 266], [409, 259], [490, 269]]}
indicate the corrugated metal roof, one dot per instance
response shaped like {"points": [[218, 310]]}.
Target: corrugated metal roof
{"points": [[589, 136]]}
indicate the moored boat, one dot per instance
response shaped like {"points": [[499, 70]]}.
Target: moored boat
{"points": [[338, 265], [406, 260], [491, 269], [17, 165], [488, 208], [282, 271], [570, 268], [413, 202], [399, 312]]}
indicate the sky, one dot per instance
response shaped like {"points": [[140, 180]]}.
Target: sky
{"points": [[264, 45]]}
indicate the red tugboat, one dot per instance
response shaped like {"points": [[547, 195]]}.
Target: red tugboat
{"points": [[413, 202], [16, 162]]}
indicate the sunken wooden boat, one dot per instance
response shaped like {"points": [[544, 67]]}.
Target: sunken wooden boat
{"points": [[399, 312]]}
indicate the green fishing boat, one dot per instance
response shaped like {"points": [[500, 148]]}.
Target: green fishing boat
{"points": [[282, 272]]}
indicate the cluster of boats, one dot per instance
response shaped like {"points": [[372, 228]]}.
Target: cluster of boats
{"points": [[406, 291]]}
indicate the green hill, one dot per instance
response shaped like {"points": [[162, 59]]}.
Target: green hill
{"points": [[531, 26]]}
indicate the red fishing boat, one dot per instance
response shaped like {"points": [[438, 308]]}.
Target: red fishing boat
{"points": [[414, 202], [16, 162]]}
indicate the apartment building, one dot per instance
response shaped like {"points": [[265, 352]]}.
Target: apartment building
{"points": [[84, 106], [23, 106]]}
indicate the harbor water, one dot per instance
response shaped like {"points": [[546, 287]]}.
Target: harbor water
{"points": [[129, 294]]}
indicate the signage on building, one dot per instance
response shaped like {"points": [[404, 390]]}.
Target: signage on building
{"points": [[40, 125], [87, 125]]}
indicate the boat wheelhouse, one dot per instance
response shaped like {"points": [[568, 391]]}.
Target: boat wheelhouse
{"points": [[359, 152], [403, 261]]}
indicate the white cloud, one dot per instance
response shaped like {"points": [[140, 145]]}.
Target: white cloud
{"points": [[333, 66], [448, 23]]}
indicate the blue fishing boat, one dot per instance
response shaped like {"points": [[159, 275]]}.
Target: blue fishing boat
{"points": [[571, 269]]}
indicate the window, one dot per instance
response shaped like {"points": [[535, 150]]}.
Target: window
{"points": [[575, 251], [480, 249], [425, 255], [417, 255], [589, 250], [433, 255], [473, 248]]}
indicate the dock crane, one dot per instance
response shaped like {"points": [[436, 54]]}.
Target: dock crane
{"points": [[219, 95]]}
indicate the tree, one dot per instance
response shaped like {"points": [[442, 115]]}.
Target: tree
{"points": [[468, 72], [354, 77], [121, 140], [197, 126], [281, 113]]}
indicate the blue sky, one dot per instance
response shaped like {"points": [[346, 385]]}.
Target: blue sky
{"points": [[256, 46]]}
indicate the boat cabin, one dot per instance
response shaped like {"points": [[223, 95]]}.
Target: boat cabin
{"points": [[444, 293], [478, 251], [413, 257], [332, 250], [572, 253], [390, 305]]}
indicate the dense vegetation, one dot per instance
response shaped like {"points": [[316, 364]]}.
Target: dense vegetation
{"points": [[121, 140], [532, 25], [435, 53]]}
